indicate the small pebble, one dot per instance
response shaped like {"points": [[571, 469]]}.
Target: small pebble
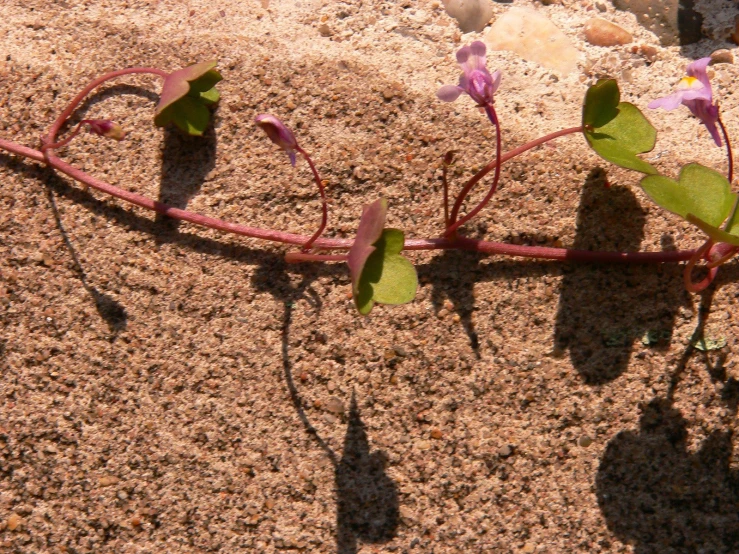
{"points": [[471, 15], [584, 441], [529, 548], [400, 351], [436, 434], [648, 51], [107, 480], [269, 503], [334, 405], [14, 522], [505, 451], [325, 30], [722, 56], [600, 32]]}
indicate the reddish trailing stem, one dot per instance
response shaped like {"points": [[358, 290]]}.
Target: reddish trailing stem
{"points": [[690, 285], [729, 153], [454, 224], [50, 137], [324, 205], [446, 162], [504, 158], [461, 243]]}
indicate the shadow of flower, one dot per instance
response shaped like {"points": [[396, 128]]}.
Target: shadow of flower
{"points": [[367, 497]]}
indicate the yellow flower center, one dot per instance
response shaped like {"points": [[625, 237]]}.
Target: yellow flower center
{"points": [[687, 83]]}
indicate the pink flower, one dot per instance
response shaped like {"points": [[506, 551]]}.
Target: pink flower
{"points": [[475, 79], [278, 133], [694, 91]]}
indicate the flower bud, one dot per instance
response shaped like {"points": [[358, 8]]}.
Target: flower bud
{"points": [[105, 128], [278, 133]]}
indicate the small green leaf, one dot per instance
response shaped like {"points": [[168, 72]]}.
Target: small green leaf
{"points": [[714, 232], [205, 82], [188, 114], [705, 345], [700, 191], [210, 97], [617, 131], [388, 277], [652, 337], [601, 100], [378, 270], [185, 95]]}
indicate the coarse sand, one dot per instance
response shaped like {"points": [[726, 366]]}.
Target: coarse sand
{"points": [[166, 388]]}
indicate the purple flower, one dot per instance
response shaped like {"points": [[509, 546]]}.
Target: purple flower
{"points": [[475, 79], [694, 91], [278, 133]]}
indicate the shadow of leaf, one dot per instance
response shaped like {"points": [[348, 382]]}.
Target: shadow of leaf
{"points": [[660, 497], [186, 162], [604, 309]]}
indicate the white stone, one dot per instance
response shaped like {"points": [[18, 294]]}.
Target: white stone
{"points": [[471, 15], [534, 38]]}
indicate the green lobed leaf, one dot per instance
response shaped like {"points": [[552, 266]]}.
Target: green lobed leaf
{"points": [[205, 82], [714, 232], [369, 231], [387, 277], [188, 114], [617, 131], [701, 192], [601, 100], [210, 97], [185, 95]]}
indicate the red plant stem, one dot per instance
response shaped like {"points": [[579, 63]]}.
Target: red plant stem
{"points": [[490, 111], [324, 206], [50, 137], [67, 139], [723, 259], [691, 286], [296, 257], [461, 243], [730, 173], [729, 153], [504, 158], [445, 163]]}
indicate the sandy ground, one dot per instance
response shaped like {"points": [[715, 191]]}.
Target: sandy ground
{"points": [[167, 388]]}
